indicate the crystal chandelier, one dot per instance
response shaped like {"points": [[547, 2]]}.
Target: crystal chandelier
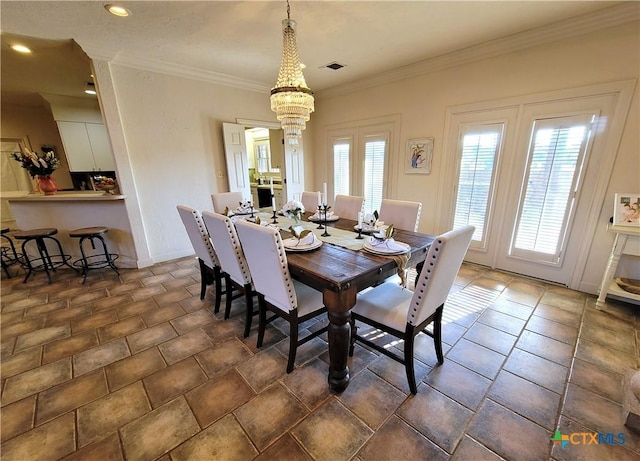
{"points": [[291, 98]]}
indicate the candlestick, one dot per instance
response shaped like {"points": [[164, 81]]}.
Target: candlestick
{"points": [[273, 202], [326, 228], [360, 220], [324, 190], [319, 199], [271, 185]]}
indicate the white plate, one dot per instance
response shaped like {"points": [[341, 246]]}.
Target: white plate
{"points": [[331, 218], [243, 212], [291, 244], [382, 249]]}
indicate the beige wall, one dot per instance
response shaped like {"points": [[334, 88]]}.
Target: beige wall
{"points": [[604, 56], [36, 123], [173, 134]]}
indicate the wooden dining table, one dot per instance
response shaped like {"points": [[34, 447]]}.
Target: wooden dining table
{"points": [[340, 273]]}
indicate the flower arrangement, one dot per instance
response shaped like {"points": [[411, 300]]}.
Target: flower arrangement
{"points": [[37, 164], [293, 209]]}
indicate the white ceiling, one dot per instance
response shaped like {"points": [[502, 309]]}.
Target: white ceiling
{"points": [[242, 39]]}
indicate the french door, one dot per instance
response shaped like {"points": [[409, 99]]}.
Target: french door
{"points": [[524, 178], [359, 162]]}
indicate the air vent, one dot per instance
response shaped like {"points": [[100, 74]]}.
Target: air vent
{"points": [[335, 65]]}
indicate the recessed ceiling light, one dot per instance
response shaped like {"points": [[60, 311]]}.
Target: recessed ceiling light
{"points": [[20, 49], [117, 10]]}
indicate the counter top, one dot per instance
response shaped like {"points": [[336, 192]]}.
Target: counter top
{"points": [[67, 197], [265, 186]]}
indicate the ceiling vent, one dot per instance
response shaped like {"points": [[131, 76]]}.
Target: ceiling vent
{"points": [[334, 65]]}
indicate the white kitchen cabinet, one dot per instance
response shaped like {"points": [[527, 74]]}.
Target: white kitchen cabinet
{"points": [[87, 146]]}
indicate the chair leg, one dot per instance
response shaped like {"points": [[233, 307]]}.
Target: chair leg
{"points": [[262, 320], [408, 362], [203, 279], [293, 340], [229, 296], [437, 334], [218, 280], [354, 330], [249, 311]]}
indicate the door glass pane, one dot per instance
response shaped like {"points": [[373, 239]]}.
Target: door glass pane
{"points": [[374, 155], [341, 162], [479, 153], [556, 156]]}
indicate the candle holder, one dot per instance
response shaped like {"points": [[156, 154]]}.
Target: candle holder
{"points": [[252, 210], [359, 229], [320, 226], [325, 208], [275, 220]]}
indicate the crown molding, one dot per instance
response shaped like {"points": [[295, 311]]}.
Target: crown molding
{"points": [[176, 70], [611, 17]]}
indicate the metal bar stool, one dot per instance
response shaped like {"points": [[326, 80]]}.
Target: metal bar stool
{"points": [[97, 260], [45, 261], [9, 254]]}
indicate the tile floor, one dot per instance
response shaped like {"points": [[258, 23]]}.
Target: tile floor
{"points": [[138, 368]]}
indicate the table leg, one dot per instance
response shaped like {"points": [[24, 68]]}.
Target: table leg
{"points": [[338, 305]]}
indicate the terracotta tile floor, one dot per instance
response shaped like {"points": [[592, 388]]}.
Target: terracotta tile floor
{"points": [[139, 368]]}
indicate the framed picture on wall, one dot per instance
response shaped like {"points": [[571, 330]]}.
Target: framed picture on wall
{"points": [[418, 156], [626, 210]]}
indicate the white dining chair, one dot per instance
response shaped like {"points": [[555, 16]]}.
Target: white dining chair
{"points": [[310, 201], [403, 313], [232, 262], [222, 200], [210, 271], [402, 214], [277, 291], [347, 206]]}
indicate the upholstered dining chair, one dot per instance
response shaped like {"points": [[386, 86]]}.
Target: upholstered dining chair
{"points": [[232, 261], [277, 291], [401, 213], [210, 271], [347, 206], [403, 313], [310, 201], [222, 200]]}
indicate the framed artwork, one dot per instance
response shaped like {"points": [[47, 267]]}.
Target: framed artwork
{"points": [[626, 210], [418, 156]]}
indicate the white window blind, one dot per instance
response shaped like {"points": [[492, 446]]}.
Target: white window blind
{"points": [[556, 156], [374, 159], [341, 171], [476, 178]]}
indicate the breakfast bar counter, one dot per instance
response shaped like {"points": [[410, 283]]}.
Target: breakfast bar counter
{"points": [[67, 211]]}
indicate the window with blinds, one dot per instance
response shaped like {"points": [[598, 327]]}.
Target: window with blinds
{"points": [[554, 165], [375, 149], [479, 148], [341, 163]]}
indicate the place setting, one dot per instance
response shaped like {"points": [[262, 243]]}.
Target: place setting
{"points": [[383, 243], [302, 240]]}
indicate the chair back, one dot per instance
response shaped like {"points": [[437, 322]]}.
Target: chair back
{"points": [[227, 244], [222, 200], [439, 272], [347, 206], [310, 201], [268, 265], [198, 235], [401, 213]]}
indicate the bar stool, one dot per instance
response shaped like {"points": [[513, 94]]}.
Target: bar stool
{"points": [[94, 261], [46, 261], [9, 254]]}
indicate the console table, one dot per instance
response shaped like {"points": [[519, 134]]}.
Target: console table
{"points": [[627, 241]]}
